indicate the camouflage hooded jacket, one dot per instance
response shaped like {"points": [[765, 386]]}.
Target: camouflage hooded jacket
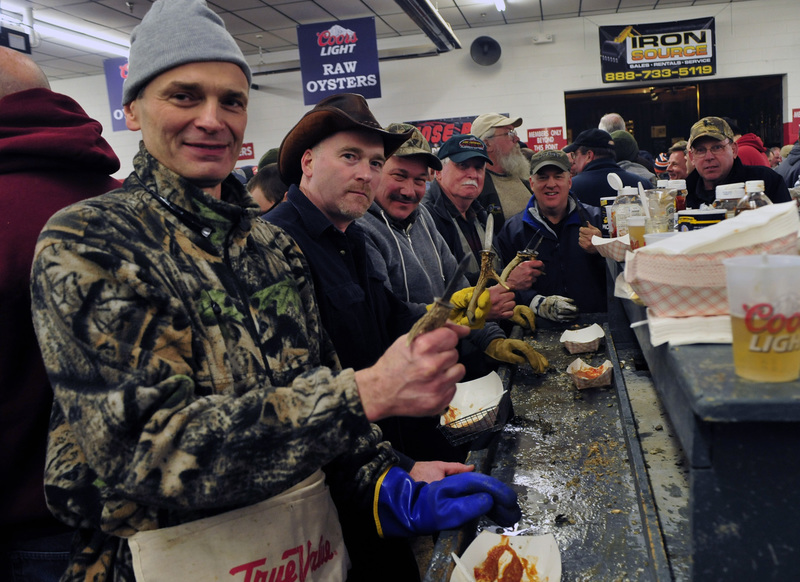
{"points": [[190, 372]]}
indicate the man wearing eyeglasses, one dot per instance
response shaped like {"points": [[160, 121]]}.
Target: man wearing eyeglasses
{"points": [[505, 189], [713, 153]]}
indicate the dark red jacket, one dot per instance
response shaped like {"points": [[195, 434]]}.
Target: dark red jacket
{"points": [[51, 155]]}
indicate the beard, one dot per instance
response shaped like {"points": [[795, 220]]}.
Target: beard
{"points": [[516, 164]]}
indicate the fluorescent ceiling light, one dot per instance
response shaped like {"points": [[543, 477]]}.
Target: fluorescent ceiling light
{"points": [[78, 40], [429, 21], [69, 32], [500, 5]]}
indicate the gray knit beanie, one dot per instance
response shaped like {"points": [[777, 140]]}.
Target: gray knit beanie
{"points": [[174, 33]]}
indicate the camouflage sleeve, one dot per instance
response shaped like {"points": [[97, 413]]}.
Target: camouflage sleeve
{"points": [[137, 441]]}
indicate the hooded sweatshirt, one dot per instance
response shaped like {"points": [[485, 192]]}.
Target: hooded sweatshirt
{"points": [[789, 168], [752, 151], [415, 260], [51, 155]]}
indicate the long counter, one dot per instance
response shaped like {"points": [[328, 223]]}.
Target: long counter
{"points": [[742, 443], [575, 461]]}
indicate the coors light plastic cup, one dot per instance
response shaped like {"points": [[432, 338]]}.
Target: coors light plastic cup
{"points": [[764, 300]]}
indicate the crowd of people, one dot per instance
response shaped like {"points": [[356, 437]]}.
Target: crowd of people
{"points": [[196, 343]]}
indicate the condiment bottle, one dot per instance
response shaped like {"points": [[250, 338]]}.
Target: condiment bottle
{"points": [[680, 193], [628, 203], [727, 197], [754, 196]]}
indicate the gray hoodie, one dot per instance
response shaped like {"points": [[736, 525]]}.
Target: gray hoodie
{"points": [[789, 168], [414, 260]]}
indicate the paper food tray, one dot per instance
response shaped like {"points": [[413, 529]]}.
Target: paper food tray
{"points": [[540, 554], [474, 409], [599, 376], [687, 285], [613, 248], [683, 275], [587, 339]]}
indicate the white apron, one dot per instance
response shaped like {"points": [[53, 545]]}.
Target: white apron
{"points": [[294, 536]]}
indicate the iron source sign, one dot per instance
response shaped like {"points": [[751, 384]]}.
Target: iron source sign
{"points": [[339, 57], [651, 52]]}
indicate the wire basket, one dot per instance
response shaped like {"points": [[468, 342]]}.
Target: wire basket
{"points": [[470, 427]]}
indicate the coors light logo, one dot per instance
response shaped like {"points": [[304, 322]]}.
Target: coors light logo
{"points": [[337, 40]]}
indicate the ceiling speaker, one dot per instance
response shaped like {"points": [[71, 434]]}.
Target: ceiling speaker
{"points": [[485, 51]]}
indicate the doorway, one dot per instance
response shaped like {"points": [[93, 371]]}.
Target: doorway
{"points": [[660, 115]]}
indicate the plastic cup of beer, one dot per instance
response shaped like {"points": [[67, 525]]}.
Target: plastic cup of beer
{"points": [[636, 228], [764, 302]]}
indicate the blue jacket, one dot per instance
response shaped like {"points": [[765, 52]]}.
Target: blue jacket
{"points": [[592, 183], [569, 270]]}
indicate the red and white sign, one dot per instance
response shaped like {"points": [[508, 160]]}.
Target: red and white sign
{"points": [[247, 153], [546, 138], [791, 130]]}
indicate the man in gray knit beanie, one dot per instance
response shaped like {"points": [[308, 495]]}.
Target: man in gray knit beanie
{"points": [[193, 385], [173, 33], [187, 91]]}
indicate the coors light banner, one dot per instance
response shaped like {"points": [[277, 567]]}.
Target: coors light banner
{"points": [[339, 57]]}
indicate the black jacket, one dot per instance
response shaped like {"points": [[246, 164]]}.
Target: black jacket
{"points": [[774, 186]]}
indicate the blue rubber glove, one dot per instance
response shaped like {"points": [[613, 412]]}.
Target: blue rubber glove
{"points": [[405, 507]]}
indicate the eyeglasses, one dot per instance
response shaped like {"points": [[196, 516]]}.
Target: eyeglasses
{"points": [[715, 149], [511, 133]]}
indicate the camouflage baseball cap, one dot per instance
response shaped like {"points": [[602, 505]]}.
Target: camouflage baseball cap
{"points": [[416, 145], [546, 158], [713, 127]]}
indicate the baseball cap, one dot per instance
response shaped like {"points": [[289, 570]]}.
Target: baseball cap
{"points": [[460, 148], [678, 146], [591, 138], [545, 158], [416, 145], [483, 123], [713, 127]]}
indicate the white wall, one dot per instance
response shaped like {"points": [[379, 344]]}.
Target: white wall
{"points": [[755, 37]]}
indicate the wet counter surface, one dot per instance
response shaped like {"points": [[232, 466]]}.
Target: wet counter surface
{"points": [[574, 459]]}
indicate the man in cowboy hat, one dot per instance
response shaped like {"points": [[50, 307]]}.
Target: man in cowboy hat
{"points": [[332, 160], [182, 340]]}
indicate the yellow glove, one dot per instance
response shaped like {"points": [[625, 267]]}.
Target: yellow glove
{"points": [[460, 300], [514, 351], [524, 317]]}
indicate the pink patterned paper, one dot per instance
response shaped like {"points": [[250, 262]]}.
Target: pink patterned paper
{"points": [[686, 285]]}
